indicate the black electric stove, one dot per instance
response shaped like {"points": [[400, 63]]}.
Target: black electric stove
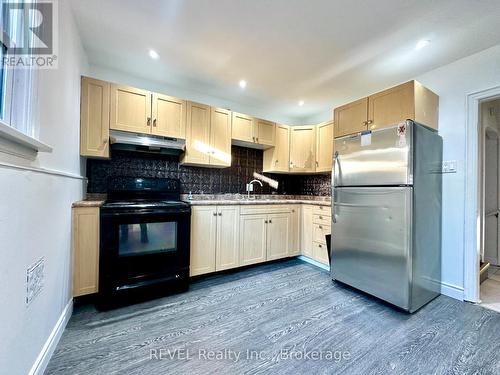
{"points": [[145, 232]]}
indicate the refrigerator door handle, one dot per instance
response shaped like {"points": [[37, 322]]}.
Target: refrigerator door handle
{"points": [[335, 162]]}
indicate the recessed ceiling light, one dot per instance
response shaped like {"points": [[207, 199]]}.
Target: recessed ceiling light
{"points": [[301, 103], [243, 83], [153, 54], [421, 44]]}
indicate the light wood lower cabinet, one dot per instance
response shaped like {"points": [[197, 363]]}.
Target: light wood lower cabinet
{"points": [[307, 230], [85, 250], [278, 235], [227, 253], [253, 239], [203, 240], [316, 224], [214, 239]]}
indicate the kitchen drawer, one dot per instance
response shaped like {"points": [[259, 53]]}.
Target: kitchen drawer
{"points": [[320, 253], [320, 231], [266, 209], [322, 210], [322, 219]]}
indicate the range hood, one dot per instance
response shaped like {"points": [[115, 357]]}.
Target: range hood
{"points": [[146, 143]]}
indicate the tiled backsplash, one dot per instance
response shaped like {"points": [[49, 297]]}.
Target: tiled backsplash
{"points": [[245, 162]]}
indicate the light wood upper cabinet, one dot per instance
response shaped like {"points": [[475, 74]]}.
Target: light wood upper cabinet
{"points": [[169, 116], [130, 109], [252, 239], [220, 137], [277, 158], [203, 240], [351, 118], [85, 250], [197, 134], [253, 132], [302, 149], [391, 106], [265, 132], [228, 236], [278, 235], [243, 127], [409, 101], [94, 118], [324, 146]]}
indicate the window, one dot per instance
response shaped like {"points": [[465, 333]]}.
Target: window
{"points": [[16, 84]]}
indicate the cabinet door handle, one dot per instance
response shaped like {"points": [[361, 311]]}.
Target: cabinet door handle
{"points": [[257, 139], [321, 217], [365, 123], [320, 246], [253, 139], [154, 123], [148, 121], [369, 122], [265, 221], [320, 227], [270, 221], [215, 213], [220, 213]]}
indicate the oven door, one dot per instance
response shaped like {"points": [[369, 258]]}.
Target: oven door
{"points": [[141, 248]]}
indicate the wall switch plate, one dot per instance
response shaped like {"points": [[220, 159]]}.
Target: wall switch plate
{"points": [[449, 166], [34, 280]]}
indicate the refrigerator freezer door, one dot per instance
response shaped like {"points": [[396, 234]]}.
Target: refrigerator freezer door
{"points": [[371, 242], [379, 158]]}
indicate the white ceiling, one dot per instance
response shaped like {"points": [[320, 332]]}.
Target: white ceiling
{"points": [[326, 52]]}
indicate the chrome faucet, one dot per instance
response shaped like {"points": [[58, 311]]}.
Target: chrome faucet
{"points": [[250, 187]]}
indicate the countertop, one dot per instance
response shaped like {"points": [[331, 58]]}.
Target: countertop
{"points": [[237, 199], [91, 200], [97, 200]]}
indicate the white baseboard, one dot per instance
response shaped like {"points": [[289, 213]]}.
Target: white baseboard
{"points": [[313, 262], [43, 358], [452, 291]]}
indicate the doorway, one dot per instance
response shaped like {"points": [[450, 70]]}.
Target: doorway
{"points": [[490, 204]]}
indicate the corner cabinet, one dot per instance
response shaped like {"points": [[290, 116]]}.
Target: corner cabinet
{"points": [[277, 159], [214, 239], [302, 149], [85, 250], [94, 118], [410, 101], [324, 147], [208, 136]]}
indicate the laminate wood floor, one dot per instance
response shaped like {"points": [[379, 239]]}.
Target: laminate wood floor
{"points": [[282, 318]]}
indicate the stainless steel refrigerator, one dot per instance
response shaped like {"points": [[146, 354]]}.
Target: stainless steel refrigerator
{"points": [[386, 213]]}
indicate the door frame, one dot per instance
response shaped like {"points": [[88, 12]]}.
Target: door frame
{"points": [[473, 191]]}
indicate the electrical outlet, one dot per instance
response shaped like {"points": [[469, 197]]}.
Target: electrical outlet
{"points": [[34, 280], [449, 166]]}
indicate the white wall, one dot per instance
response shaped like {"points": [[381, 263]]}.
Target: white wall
{"points": [[35, 211], [453, 83]]}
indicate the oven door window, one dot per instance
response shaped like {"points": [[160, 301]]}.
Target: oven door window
{"points": [[147, 238]]}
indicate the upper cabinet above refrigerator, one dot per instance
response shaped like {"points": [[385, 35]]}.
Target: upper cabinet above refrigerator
{"points": [[409, 101]]}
